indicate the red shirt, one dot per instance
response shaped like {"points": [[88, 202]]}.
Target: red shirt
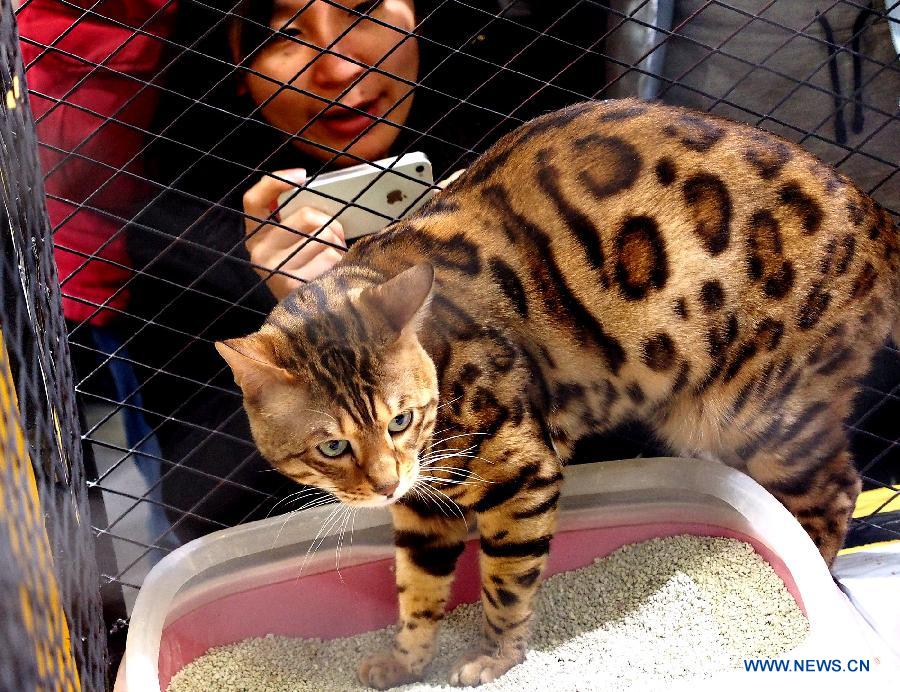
{"points": [[83, 154]]}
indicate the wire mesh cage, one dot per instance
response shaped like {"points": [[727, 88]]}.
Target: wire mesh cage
{"points": [[157, 120], [52, 637]]}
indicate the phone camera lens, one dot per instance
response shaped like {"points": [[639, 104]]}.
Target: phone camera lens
{"points": [[420, 169]]}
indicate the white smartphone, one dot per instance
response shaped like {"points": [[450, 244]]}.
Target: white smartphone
{"points": [[366, 198]]}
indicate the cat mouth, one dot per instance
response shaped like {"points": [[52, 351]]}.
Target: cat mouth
{"points": [[405, 485], [375, 500]]}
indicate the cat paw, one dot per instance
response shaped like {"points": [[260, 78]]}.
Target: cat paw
{"points": [[383, 670], [477, 668]]}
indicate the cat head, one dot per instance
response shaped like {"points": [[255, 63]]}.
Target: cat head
{"points": [[339, 392]]}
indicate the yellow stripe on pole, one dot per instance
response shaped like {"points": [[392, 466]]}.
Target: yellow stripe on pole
{"points": [[20, 513], [877, 500]]}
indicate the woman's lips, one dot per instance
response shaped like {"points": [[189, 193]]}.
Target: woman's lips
{"points": [[341, 122]]}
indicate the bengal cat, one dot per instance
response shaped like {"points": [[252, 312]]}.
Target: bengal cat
{"points": [[610, 261]]}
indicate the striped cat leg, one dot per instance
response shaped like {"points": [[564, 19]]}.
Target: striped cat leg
{"points": [[515, 540], [428, 546]]}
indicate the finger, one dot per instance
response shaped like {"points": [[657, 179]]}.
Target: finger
{"points": [[280, 284], [330, 236], [305, 251], [320, 264], [276, 239], [309, 220], [261, 199], [449, 179], [273, 239]]}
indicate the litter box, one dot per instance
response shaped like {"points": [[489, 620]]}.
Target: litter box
{"points": [[246, 581]]}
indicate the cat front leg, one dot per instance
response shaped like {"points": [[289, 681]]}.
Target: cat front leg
{"points": [[428, 545], [515, 541]]}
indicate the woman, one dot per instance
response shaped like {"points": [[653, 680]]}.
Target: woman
{"points": [[343, 111], [212, 256]]}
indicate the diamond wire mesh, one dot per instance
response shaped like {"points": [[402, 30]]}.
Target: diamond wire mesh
{"points": [[173, 453], [53, 607]]}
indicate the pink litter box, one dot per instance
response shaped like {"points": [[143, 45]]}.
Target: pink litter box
{"points": [[247, 581]]}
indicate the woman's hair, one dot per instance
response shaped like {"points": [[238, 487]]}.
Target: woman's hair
{"points": [[204, 108], [249, 27]]}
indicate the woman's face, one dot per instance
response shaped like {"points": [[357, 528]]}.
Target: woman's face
{"points": [[328, 75]]}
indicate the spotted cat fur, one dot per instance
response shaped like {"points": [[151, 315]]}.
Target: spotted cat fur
{"points": [[609, 261]]}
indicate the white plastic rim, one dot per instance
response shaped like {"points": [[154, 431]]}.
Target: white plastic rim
{"points": [[832, 621]]}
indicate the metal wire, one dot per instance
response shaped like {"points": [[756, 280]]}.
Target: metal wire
{"points": [[42, 473]]}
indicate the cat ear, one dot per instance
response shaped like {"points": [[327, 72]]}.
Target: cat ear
{"points": [[251, 361], [401, 300]]}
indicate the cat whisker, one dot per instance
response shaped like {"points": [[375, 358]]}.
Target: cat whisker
{"points": [[455, 506], [323, 413], [425, 497], [460, 455], [442, 441], [448, 450], [293, 496], [352, 524], [453, 437], [315, 504], [320, 537], [327, 526], [434, 460], [283, 499], [423, 491], [448, 468], [445, 501], [459, 472], [444, 453], [447, 403], [434, 449], [340, 541], [449, 481], [312, 504]]}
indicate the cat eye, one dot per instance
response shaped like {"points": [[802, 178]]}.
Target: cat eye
{"points": [[333, 448], [400, 423]]}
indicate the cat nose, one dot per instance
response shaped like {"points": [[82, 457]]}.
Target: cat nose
{"points": [[386, 488]]}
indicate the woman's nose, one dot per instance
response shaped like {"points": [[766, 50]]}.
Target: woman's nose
{"points": [[335, 69]]}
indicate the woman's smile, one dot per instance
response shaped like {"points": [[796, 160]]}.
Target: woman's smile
{"points": [[348, 122]]}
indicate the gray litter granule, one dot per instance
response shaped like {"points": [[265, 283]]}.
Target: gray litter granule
{"points": [[666, 609]]}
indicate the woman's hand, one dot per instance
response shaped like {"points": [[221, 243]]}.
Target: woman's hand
{"points": [[273, 247]]}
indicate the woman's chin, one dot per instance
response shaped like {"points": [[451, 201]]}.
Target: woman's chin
{"points": [[375, 144]]}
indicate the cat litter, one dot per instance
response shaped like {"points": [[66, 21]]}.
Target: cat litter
{"points": [[663, 610]]}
